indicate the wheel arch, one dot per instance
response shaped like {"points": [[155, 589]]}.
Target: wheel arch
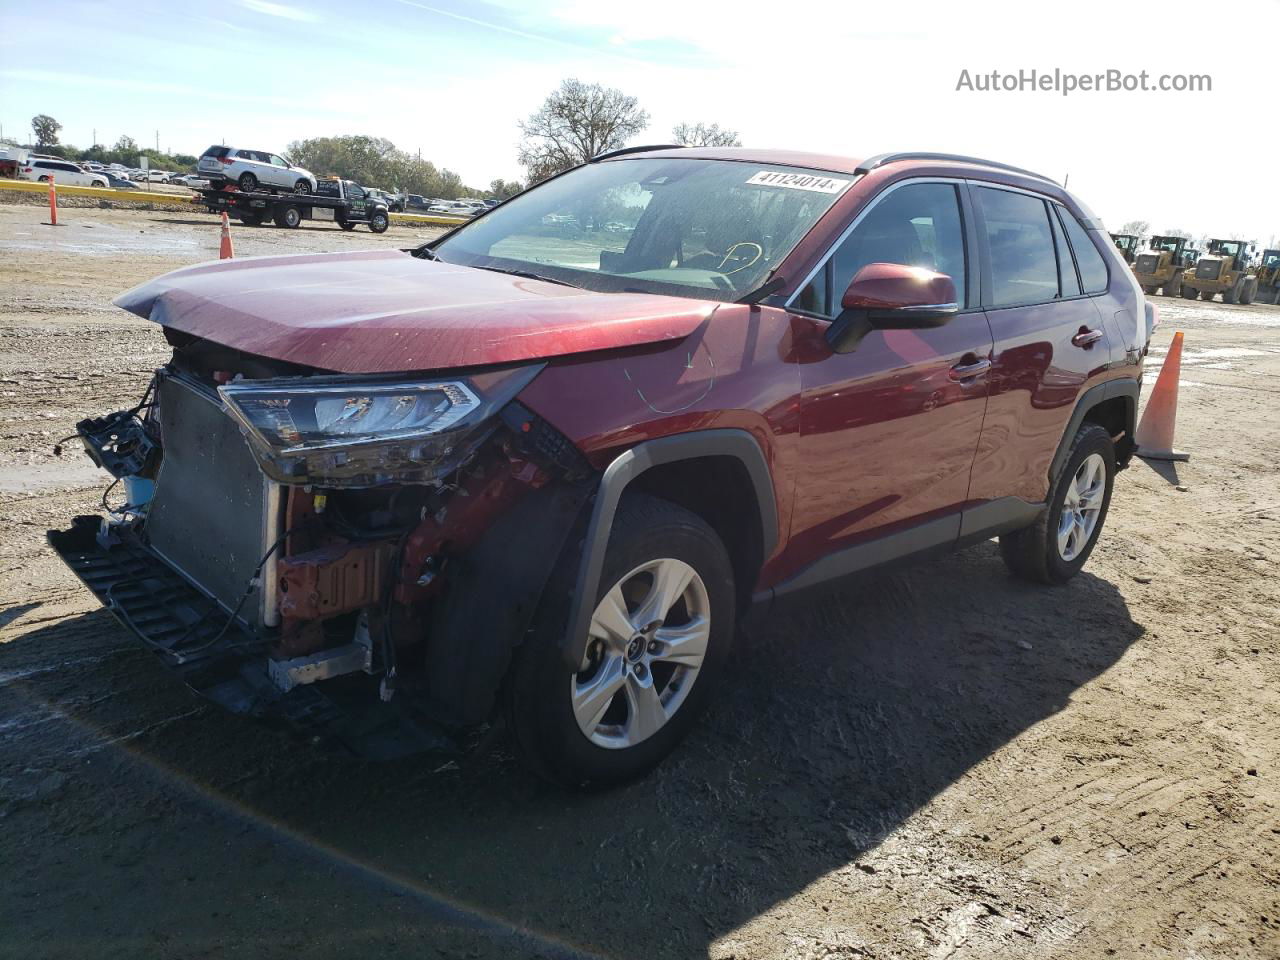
{"points": [[1112, 404], [663, 467]]}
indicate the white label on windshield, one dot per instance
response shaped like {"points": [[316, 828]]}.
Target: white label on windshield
{"points": [[798, 181]]}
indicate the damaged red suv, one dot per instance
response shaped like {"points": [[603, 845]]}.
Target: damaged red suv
{"points": [[538, 469]]}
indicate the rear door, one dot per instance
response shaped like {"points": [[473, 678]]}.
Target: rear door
{"points": [[1050, 338], [888, 431]]}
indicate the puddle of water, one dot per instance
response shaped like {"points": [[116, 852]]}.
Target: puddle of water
{"points": [[98, 240], [35, 477]]}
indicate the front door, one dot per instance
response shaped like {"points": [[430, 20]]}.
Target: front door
{"points": [[888, 431]]}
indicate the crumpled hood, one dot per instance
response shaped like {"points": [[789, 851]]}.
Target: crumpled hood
{"points": [[379, 311]]}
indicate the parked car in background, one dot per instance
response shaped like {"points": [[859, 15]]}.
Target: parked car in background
{"points": [[254, 169], [188, 180], [117, 182], [154, 176], [415, 201], [798, 367], [60, 171]]}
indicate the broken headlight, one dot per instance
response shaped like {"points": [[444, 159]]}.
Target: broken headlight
{"points": [[344, 432]]}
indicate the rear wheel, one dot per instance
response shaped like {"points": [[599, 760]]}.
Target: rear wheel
{"points": [[1249, 291], [1188, 293], [248, 182], [1206, 294], [1056, 546], [253, 219], [1174, 287], [1149, 289], [288, 215], [346, 225], [657, 643]]}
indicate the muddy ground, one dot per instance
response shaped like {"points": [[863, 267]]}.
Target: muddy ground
{"points": [[938, 763]]}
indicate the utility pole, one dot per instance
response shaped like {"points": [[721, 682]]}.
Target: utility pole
{"points": [[95, 138], [157, 141], [1065, 181]]}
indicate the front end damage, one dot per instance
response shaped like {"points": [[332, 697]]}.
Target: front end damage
{"points": [[354, 558]]}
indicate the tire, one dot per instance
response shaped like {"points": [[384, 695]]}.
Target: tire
{"points": [[346, 225], [1188, 293], [1206, 294], [45, 179], [250, 219], [1036, 552], [302, 186], [288, 215], [1174, 287], [379, 222], [1249, 291], [1149, 289], [247, 182], [540, 692]]}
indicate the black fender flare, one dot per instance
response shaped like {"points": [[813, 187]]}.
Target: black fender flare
{"points": [[626, 467], [1126, 387]]}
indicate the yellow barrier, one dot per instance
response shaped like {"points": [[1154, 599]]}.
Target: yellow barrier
{"points": [[107, 193]]}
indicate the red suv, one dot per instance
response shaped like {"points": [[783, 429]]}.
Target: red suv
{"points": [[539, 468]]}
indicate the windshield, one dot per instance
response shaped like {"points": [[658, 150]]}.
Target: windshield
{"points": [[712, 229]]}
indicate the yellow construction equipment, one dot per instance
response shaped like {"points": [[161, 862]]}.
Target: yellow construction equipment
{"points": [[1268, 271], [1223, 269], [1160, 266], [1127, 244]]}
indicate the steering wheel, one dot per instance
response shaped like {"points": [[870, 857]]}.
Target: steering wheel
{"points": [[733, 255]]}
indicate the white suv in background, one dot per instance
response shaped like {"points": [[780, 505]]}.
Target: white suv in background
{"points": [[59, 171], [252, 169]]}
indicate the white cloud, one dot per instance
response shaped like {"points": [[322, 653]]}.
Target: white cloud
{"points": [[281, 10]]}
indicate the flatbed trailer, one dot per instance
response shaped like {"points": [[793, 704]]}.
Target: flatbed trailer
{"points": [[343, 202]]}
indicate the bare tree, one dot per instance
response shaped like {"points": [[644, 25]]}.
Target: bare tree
{"points": [[705, 135], [1175, 232], [46, 129], [577, 122], [1137, 228]]}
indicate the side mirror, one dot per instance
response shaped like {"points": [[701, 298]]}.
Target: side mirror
{"points": [[891, 296]]}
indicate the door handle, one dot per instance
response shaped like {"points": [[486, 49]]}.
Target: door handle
{"points": [[967, 371], [1087, 338]]}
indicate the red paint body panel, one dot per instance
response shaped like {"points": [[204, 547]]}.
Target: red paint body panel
{"points": [[385, 312]]}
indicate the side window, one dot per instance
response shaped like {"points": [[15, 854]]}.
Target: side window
{"points": [[917, 225], [1093, 269], [277, 161], [1024, 267], [355, 193], [1068, 281]]}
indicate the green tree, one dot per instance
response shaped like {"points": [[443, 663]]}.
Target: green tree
{"points": [[577, 122], [705, 135], [504, 188], [46, 129]]}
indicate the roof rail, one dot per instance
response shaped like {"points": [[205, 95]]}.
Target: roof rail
{"points": [[866, 166], [623, 151]]}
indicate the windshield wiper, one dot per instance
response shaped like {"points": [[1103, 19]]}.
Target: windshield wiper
{"points": [[530, 275]]}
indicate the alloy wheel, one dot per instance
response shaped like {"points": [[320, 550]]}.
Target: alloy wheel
{"points": [[646, 643], [1082, 506]]}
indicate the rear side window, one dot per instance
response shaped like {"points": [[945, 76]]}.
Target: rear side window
{"points": [[917, 225], [1093, 269], [216, 151], [1068, 281], [1024, 266]]}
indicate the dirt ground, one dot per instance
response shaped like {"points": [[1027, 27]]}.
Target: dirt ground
{"points": [[938, 763]]}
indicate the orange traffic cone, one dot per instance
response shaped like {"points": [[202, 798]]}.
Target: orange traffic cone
{"points": [[1155, 433], [225, 252], [53, 203]]}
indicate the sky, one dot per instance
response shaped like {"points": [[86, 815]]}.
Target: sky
{"points": [[452, 78]]}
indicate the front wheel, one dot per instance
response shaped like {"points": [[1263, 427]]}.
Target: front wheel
{"points": [[657, 643], [1056, 546], [379, 222], [302, 186]]}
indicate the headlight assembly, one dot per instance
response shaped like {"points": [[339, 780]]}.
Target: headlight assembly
{"points": [[345, 432]]}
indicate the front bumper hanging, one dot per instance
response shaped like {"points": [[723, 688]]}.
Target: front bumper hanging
{"points": [[228, 664]]}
